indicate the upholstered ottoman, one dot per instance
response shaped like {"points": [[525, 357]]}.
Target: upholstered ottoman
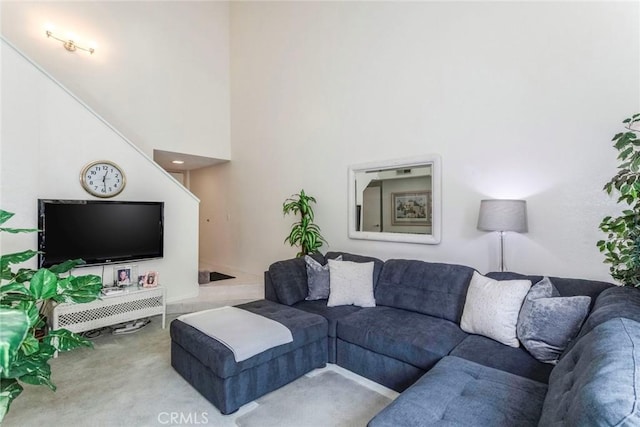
{"points": [[210, 366]]}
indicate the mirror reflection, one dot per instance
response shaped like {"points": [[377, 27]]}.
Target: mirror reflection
{"points": [[396, 201]]}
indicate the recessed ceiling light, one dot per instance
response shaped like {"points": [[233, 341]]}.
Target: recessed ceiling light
{"points": [[177, 162]]}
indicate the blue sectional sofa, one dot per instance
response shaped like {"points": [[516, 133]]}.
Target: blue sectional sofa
{"points": [[412, 342]]}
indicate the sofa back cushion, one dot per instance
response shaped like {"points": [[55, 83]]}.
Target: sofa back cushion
{"points": [[596, 382], [566, 287], [435, 289], [289, 279], [377, 263], [615, 302]]}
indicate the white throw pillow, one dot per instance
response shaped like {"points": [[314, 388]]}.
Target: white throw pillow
{"points": [[351, 283], [492, 308]]}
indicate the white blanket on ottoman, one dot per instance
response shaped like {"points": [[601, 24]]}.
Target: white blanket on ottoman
{"points": [[243, 332]]}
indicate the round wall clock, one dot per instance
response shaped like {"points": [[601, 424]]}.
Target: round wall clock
{"points": [[102, 178]]}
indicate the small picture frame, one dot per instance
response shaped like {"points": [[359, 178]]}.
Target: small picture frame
{"points": [[125, 275], [141, 279], [151, 279], [411, 208]]}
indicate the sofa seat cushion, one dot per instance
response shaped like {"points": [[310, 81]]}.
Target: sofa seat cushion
{"points": [[438, 290], [458, 392], [332, 314], [488, 352], [305, 329], [410, 337], [598, 381]]}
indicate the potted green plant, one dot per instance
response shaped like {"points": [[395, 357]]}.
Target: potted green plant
{"points": [[622, 244], [24, 298], [304, 233]]}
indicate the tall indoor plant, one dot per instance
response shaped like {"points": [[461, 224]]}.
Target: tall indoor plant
{"points": [[622, 244], [304, 233], [24, 297]]}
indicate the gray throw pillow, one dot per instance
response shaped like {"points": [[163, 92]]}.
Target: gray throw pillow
{"points": [[548, 322], [317, 278]]}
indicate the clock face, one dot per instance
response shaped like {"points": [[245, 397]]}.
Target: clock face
{"points": [[103, 178]]}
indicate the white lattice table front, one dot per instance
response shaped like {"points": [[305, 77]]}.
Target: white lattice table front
{"points": [[135, 303]]}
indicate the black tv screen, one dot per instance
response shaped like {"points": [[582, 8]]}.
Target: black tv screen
{"points": [[98, 231]]}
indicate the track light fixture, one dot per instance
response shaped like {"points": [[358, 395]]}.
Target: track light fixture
{"points": [[69, 44]]}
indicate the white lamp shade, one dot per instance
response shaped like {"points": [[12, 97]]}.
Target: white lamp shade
{"points": [[503, 215]]}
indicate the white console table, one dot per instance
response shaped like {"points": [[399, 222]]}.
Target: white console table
{"points": [[135, 303]]}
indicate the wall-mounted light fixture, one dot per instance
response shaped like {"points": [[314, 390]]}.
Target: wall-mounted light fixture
{"points": [[177, 162], [69, 44]]}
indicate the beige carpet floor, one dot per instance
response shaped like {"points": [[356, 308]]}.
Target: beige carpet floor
{"points": [[127, 380], [325, 399]]}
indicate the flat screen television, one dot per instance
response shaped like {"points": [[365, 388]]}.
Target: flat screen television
{"points": [[99, 231]]}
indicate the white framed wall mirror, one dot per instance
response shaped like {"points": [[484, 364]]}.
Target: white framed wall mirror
{"points": [[396, 200]]}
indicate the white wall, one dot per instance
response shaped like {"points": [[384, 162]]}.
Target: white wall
{"points": [[520, 99], [47, 138], [160, 72]]}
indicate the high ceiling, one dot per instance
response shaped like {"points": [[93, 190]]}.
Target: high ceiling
{"points": [[159, 74]]}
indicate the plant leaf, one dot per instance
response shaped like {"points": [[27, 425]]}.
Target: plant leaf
{"points": [[24, 275], [64, 340], [18, 230], [30, 345], [39, 377], [15, 326], [34, 369], [31, 309], [9, 390], [43, 284], [5, 216], [32, 363], [13, 288], [14, 258], [78, 289], [66, 266]]}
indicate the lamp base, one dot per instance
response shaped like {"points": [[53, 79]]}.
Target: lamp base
{"points": [[502, 266]]}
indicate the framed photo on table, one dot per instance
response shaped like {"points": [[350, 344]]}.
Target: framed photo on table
{"points": [[125, 275], [151, 279], [411, 208]]}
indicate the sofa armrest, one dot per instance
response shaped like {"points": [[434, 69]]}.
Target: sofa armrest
{"points": [[269, 290]]}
